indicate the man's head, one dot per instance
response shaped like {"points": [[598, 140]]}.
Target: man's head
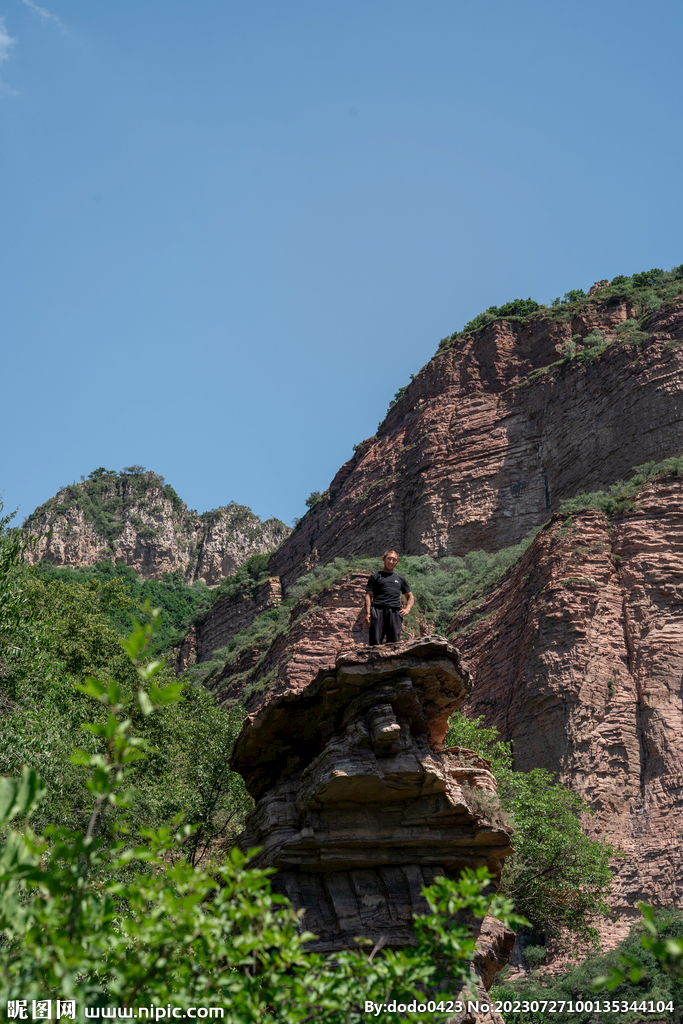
{"points": [[390, 559]]}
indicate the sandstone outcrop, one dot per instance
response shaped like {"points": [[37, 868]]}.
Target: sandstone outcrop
{"points": [[319, 628], [358, 806], [494, 433], [137, 519], [578, 656]]}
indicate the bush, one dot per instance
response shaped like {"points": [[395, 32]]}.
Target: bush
{"points": [[558, 878], [621, 496], [647, 278], [645, 967], [534, 955], [518, 307], [315, 498], [574, 295]]}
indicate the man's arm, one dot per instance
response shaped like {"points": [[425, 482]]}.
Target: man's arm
{"points": [[368, 605], [410, 602]]}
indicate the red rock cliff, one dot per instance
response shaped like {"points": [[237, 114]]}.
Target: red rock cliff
{"points": [[483, 446], [578, 658]]}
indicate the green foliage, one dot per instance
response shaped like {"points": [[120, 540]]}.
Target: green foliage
{"points": [[180, 603], [558, 877], [518, 308], [316, 497], [241, 584], [593, 345], [587, 349], [573, 295], [259, 636], [444, 586], [621, 496], [535, 955], [628, 332], [105, 498], [661, 936], [644, 967], [57, 633], [106, 922], [647, 290], [398, 396], [647, 278], [440, 587], [472, 734]]}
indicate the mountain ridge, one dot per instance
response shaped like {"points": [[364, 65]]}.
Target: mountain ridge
{"points": [[135, 517]]}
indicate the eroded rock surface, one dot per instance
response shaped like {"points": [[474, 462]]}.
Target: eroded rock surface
{"points": [[358, 806], [227, 617], [319, 628], [578, 655]]}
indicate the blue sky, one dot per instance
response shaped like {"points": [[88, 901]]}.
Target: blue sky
{"points": [[229, 231]]}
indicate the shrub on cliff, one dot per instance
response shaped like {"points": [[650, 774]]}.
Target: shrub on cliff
{"points": [[621, 496], [557, 877], [518, 307]]}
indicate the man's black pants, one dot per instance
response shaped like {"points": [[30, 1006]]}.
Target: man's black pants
{"points": [[385, 622]]}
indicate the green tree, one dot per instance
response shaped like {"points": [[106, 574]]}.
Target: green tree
{"points": [[54, 633], [558, 877]]}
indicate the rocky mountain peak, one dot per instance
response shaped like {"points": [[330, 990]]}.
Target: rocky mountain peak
{"points": [[134, 516]]}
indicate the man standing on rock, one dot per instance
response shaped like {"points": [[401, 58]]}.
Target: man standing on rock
{"points": [[383, 612]]}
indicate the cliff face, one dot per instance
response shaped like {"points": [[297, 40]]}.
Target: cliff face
{"points": [[136, 518], [578, 658], [484, 445]]}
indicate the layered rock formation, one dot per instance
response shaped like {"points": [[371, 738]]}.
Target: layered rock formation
{"points": [[135, 518], [484, 445], [578, 656], [358, 806]]}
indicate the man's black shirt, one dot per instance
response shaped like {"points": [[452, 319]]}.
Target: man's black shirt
{"points": [[386, 588]]}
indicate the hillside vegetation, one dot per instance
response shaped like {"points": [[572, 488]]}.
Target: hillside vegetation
{"points": [[647, 291], [135, 517], [57, 628]]}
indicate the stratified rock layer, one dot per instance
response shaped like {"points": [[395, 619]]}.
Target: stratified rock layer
{"points": [[136, 519], [358, 807], [578, 655], [484, 445], [319, 628]]}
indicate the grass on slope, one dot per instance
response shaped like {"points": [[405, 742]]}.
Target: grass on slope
{"points": [[440, 586], [621, 496]]}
